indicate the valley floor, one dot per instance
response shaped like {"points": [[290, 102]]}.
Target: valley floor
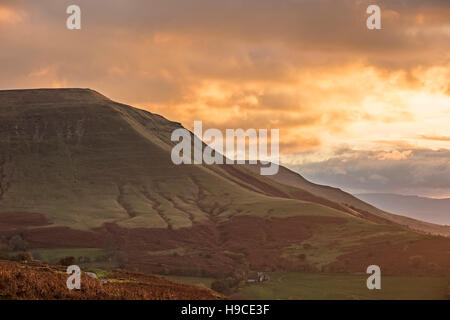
{"points": [[304, 286]]}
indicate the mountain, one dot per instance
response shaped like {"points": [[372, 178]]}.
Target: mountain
{"points": [[420, 208], [84, 176]]}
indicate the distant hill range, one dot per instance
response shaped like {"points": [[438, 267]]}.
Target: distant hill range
{"points": [[420, 208], [84, 176]]}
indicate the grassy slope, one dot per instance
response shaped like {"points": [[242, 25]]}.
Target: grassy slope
{"points": [[331, 241], [83, 160]]}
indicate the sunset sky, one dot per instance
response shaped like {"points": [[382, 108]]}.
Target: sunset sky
{"points": [[364, 110]]}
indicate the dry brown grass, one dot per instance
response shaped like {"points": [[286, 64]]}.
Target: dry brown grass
{"points": [[22, 281]]}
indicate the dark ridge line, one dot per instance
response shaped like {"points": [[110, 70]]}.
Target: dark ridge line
{"points": [[121, 201], [201, 193]]}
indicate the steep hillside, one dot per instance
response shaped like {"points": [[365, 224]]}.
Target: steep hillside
{"points": [[84, 160], [81, 172]]}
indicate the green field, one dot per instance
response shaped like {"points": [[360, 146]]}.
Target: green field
{"points": [[303, 286], [300, 286], [52, 256]]}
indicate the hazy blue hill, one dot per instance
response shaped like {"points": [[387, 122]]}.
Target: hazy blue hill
{"points": [[421, 208]]}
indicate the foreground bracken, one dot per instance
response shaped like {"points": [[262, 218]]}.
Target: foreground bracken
{"points": [[24, 281]]}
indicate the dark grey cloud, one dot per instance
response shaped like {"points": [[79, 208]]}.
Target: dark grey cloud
{"points": [[421, 172], [309, 24]]}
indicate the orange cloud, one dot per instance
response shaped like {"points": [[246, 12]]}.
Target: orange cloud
{"points": [[435, 138], [10, 16], [315, 74], [392, 155]]}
